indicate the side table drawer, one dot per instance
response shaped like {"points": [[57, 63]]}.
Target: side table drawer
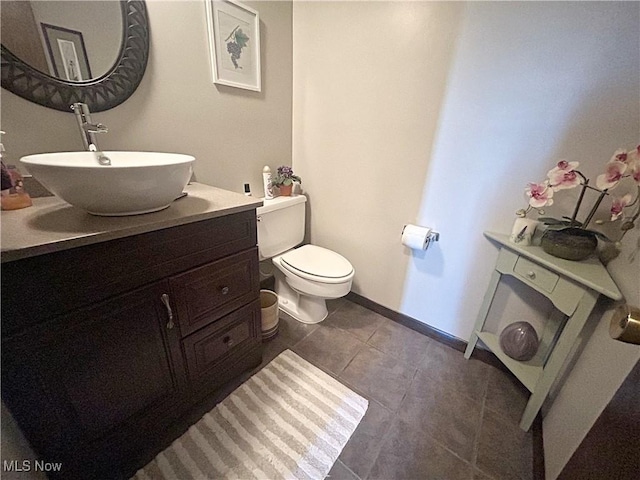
{"points": [[533, 273]]}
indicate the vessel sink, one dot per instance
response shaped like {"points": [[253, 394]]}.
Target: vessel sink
{"points": [[134, 182]]}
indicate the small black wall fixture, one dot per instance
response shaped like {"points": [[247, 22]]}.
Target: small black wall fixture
{"points": [[100, 94]]}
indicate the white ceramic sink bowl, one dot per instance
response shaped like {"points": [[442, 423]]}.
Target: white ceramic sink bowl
{"points": [[134, 183]]}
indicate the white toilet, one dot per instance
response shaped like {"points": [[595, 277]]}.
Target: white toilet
{"points": [[305, 276]]}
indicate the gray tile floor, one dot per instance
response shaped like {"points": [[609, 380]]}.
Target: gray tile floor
{"points": [[432, 414]]}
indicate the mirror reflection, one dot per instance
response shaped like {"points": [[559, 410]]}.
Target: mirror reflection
{"points": [[72, 41]]}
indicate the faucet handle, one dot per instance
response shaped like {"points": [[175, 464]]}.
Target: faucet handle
{"points": [[80, 107], [97, 128]]}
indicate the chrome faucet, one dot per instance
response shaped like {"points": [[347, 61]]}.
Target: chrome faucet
{"points": [[88, 131]]}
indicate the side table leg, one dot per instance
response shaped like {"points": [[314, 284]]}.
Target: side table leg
{"points": [[556, 360], [482, 313]]}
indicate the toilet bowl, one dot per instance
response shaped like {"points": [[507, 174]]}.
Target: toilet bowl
{"points": [[306, 277]]}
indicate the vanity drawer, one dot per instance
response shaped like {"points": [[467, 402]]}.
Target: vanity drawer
{"points": [[536, 275], [205, 294], [222, 341]]}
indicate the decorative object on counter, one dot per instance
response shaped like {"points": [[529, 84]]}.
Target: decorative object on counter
{"points": [[234, 44], [520, 341], [7, 183], [266, 181], [247, 189], [308, 406], [284, 179], [269, 314], [523, 230], [13, 195], [570, 238], [570, 243], [625, 324]]}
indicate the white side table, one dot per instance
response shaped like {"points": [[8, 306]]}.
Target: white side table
{"points": [[572, 287]]}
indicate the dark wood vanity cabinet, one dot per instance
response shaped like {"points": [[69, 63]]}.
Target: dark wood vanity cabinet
{"points": [[95, 383]]}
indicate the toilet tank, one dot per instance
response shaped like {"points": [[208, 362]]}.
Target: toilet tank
{"points": [[280, 225]]}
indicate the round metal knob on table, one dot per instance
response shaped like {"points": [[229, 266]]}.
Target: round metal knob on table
{"points": [[531, 274], [224, 290]]}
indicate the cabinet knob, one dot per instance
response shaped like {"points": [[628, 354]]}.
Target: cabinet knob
{"points": [[167, 304], [531, 274], [227, 340], [224, 290]]}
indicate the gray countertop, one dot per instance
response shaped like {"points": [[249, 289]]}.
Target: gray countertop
{"points": [[52, 225]]}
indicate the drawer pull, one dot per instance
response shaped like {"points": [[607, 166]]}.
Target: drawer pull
{"points": [[531, 274], [165, 300], [227, 340], [224, 290]]}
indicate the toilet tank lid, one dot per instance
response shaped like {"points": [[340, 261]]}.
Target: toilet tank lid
{"points": [[318, 261], [269, 205]]}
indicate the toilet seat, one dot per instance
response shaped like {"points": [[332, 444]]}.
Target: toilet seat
{"points": [[318, 264]]}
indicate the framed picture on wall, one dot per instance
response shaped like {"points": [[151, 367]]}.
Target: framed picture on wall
{"points": [[67, 53], [234, 43]]}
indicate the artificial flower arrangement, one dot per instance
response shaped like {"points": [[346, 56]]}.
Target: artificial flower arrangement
{"points": [[625, 209], [284, 176]]}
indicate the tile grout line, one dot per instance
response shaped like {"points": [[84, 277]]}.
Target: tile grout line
{"points": [[497, 411], [350, 360], [382, 441], [347, 467], [483, 408]]}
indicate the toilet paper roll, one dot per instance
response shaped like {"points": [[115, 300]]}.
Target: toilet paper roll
{"points": [[625, 324], [416, 237]]}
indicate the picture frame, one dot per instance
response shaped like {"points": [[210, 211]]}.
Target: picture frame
{"points": [[234, 44], [67, 53]]}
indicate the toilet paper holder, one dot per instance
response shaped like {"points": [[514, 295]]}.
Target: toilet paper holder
{"points": [[432, 236], [625, 324]]}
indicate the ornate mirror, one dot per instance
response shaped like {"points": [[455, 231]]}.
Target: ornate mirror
{"points": [[62, 52]]}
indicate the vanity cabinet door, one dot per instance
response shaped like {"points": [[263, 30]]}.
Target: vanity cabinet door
{"points": [[96, 383]]}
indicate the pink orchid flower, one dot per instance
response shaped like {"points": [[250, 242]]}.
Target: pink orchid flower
{"points": [[540, 195], [635, 172], [620, 155], [618, 205], [612, 175], [563, 175], [634, 164]]}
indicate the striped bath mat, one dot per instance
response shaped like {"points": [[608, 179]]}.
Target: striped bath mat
{"points": [[289, 421]]}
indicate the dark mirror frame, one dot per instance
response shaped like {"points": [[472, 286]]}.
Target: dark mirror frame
{"points": [[99, 94]]}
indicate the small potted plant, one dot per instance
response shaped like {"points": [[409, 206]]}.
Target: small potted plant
{"points": [[284, 179], [570, 238]]}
